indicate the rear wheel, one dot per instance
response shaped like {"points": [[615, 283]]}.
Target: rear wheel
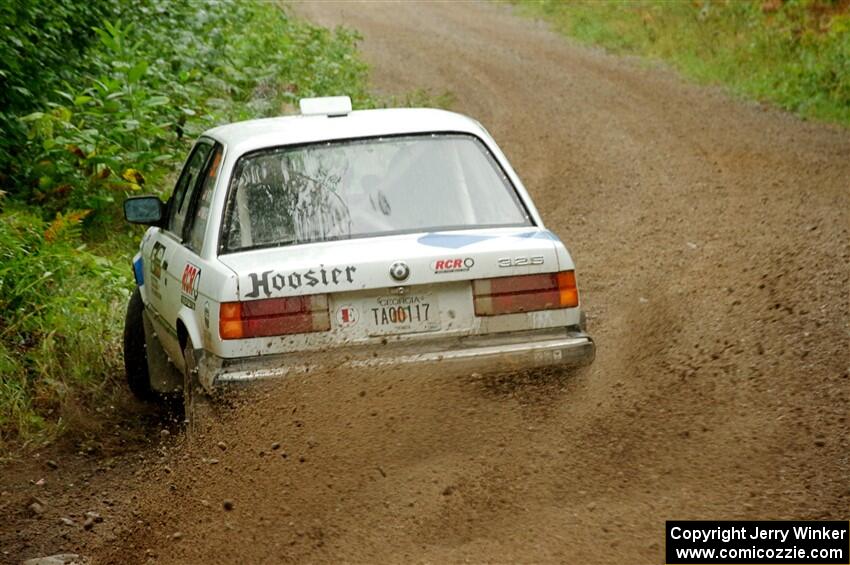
{"points": [[135, 352]]}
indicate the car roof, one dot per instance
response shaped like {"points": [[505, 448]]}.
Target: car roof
{"points": [[243, 137]]}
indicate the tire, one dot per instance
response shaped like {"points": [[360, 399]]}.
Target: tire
{"points": [[197, 405], [135, 353]]}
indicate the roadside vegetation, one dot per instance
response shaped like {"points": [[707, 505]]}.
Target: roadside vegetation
{"points": [[793, 53], [100, 100]]}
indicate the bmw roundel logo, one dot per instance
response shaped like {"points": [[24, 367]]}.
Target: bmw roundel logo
{"points": [[399, 271]]}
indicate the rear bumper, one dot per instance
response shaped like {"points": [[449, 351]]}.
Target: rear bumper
{"points": [[500, 353]]}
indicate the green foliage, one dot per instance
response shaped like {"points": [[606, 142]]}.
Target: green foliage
{"points": [[61, 304], [40, 45], [124, 89], [162, 75], [794, 53]]}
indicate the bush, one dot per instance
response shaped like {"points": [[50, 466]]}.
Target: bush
{"points": [[115, 118], [41, 45], [147, 87], [62, 308]]}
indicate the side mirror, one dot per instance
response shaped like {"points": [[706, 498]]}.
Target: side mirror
{"points": [[147, 210]]}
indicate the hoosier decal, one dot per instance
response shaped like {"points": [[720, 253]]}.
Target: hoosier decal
{"points": [[270, 281], [189, 285]]}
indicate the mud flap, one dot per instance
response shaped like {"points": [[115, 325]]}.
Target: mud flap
{"points": [[164, 376]]}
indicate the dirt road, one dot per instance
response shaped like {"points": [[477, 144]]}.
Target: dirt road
{"points": [[711, 237]]}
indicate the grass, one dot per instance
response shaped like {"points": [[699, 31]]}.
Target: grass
{"points": [[61, 306], [793, 53]]}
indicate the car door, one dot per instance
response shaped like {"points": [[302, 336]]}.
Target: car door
{"points": [[170, 254]]}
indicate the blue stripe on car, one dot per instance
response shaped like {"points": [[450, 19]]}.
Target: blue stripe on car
{"points": [[450, 240], [456, 241], [138, 272], [544, 234]]}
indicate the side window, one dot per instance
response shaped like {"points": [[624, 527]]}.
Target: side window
{"points": [[185, 187], [200, 210]]}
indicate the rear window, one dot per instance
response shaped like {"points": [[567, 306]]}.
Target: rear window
{"points": [[362, 188]]}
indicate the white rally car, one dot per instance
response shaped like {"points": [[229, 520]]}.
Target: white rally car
{"points": [[362, 239]]}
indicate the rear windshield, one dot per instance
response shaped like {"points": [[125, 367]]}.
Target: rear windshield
{"points": [[362, 188]]}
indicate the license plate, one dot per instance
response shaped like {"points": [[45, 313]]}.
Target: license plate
{"points": [[403, 314]]}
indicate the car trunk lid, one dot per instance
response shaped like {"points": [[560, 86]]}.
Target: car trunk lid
{"points": [[393, 285], [361, 264]]}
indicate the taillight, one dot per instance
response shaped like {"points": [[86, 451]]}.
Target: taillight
{"points": [[274, 316], [525, 293]]}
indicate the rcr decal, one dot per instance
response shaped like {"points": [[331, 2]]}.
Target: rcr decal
{"points": [[189, 285], [269, 281], [521, 261], [453, 265]]}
